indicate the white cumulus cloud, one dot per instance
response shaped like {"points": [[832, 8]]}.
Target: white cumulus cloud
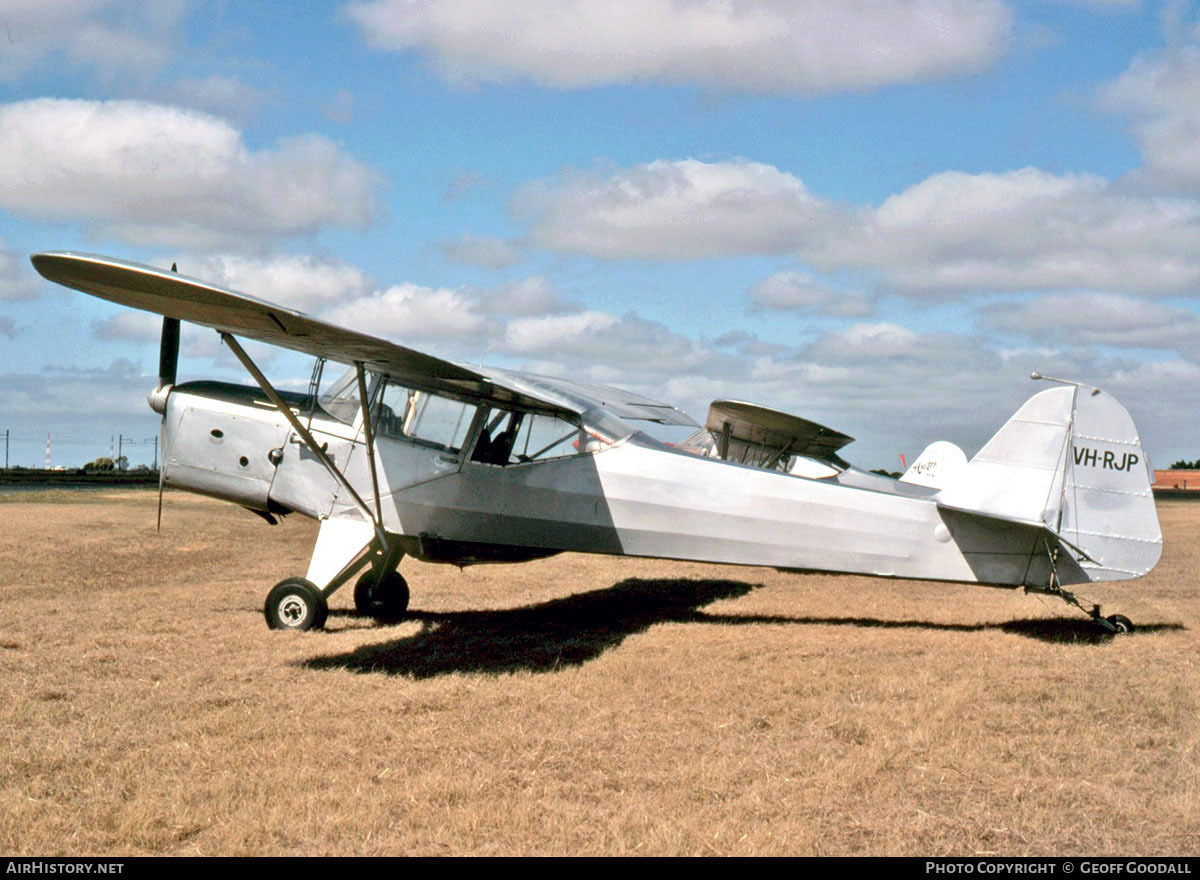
{"points": [[1021, 230], [406, 312], [685, 209], [1116, 320], [296, 281], [800, 291], [761, 46], [952, 234], [155, 174], [216, 93], [1160, 92], [525, 297], [112, 36], [17, 279], [627, 350]]}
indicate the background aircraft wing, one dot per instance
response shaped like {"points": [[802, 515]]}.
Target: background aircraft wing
{"points": [[189, 299], [766, 428]]}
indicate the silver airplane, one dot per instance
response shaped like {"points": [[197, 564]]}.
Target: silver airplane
{"points": [[408, 454]]}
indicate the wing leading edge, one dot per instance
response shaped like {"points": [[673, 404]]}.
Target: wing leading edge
{"points": [[190, 299]]}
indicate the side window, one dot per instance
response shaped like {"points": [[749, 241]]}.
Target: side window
{"points": [[515, 438], [547, 437], [439, 420], [392, 410], [499, 435], [428, 418]]}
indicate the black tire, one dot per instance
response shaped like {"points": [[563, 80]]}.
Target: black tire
{"points": [[1121, 623], [386, 602], [295, 604]]}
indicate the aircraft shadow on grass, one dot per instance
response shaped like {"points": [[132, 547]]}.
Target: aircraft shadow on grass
{"points": [[539, 638], [572, 630], [1067, 630]]}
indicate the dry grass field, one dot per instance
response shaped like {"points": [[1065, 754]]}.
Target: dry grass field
{"points": [[577, 705]]}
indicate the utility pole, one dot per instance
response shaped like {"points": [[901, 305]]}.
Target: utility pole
{"points": [[6, 448], [120, 443], [156, 453]]}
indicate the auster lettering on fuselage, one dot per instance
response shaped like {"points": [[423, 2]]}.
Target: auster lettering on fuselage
{"points": [[1106, 459]]}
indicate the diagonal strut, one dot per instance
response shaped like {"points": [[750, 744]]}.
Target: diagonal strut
{"points": [[307, 437]]}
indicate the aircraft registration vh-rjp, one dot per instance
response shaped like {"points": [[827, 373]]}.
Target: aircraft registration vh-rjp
{"points": [[409, 454]]}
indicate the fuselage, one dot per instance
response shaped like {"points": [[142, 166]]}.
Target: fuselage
{"points": [[450, 500]]}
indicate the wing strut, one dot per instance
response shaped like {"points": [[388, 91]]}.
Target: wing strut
{"points": [[774, 459], [369, 435], [308, 439]]}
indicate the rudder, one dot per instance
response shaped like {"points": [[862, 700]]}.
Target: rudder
{"points": [[1107, 505]]}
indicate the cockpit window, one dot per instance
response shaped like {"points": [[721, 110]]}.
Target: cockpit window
{"points": [[511, 438], [439, 420], [389, 415], [340, 399], [424, 417]]}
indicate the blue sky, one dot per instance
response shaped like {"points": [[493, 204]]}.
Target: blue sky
{"points": [[880, 215]]}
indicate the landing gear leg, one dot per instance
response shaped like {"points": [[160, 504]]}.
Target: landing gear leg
{"points": [[1114, 623]]}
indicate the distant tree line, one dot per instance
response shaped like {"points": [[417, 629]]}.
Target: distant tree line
{"points": [[1186, 465], [107, 464]]}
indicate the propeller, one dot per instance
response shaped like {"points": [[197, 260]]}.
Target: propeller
{"points": [[168, 353], [168, 367]]}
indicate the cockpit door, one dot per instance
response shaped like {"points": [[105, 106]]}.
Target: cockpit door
{"points": [[302, 482]]}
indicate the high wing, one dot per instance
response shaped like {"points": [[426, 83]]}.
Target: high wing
{"points": [[762, 428], [189, 299], [582, 396]]}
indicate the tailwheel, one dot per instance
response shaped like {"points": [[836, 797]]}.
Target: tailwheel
{"points": [[295, 604], [385, 599], [1120, 623], [1115, 624]]}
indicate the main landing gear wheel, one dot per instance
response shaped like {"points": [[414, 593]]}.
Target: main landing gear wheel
{"points": [[295, 604], [386, 601]]}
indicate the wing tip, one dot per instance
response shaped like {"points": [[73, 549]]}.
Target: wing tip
{"points": [[57, 265], [44, 262]]}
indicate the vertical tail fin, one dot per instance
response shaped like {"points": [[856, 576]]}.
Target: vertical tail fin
{"points": [[1071, 461], [1107, 506]]}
